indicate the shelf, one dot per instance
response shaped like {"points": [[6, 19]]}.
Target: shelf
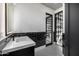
{"points": [[59, 25]]}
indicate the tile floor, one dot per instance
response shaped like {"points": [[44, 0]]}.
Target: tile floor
{"points": [[53, 50]]}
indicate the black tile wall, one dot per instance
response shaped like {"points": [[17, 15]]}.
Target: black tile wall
{"points": [[38, 37]]}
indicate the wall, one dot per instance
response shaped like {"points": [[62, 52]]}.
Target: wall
{"points": [[30, 17], [2, 19]]}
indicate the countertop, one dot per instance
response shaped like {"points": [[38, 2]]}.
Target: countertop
{"points": [[19, 43]]}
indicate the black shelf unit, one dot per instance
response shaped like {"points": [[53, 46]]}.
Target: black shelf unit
{"points": [[58, 26], [49, 27]]}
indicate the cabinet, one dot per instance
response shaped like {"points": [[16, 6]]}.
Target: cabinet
{"points": [[22, 52]]}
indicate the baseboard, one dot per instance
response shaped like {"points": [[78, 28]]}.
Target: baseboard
{"points": [[49, 44], [39, 48]]}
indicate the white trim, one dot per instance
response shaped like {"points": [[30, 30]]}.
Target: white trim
{"points": [[10, 32], [63, 17], [58, 10], [39, 48]]}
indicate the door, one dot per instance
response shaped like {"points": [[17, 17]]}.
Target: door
{"points": [[71, 39], [49, 29], [74, 28]]}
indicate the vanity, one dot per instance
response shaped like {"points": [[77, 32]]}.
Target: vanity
{"points": [[21, 46]]}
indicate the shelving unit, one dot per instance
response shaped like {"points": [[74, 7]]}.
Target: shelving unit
{"points": [[59, 27], [49, 28]]}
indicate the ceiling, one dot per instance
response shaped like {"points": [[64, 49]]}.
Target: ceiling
{"points": [[54, 6]]}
